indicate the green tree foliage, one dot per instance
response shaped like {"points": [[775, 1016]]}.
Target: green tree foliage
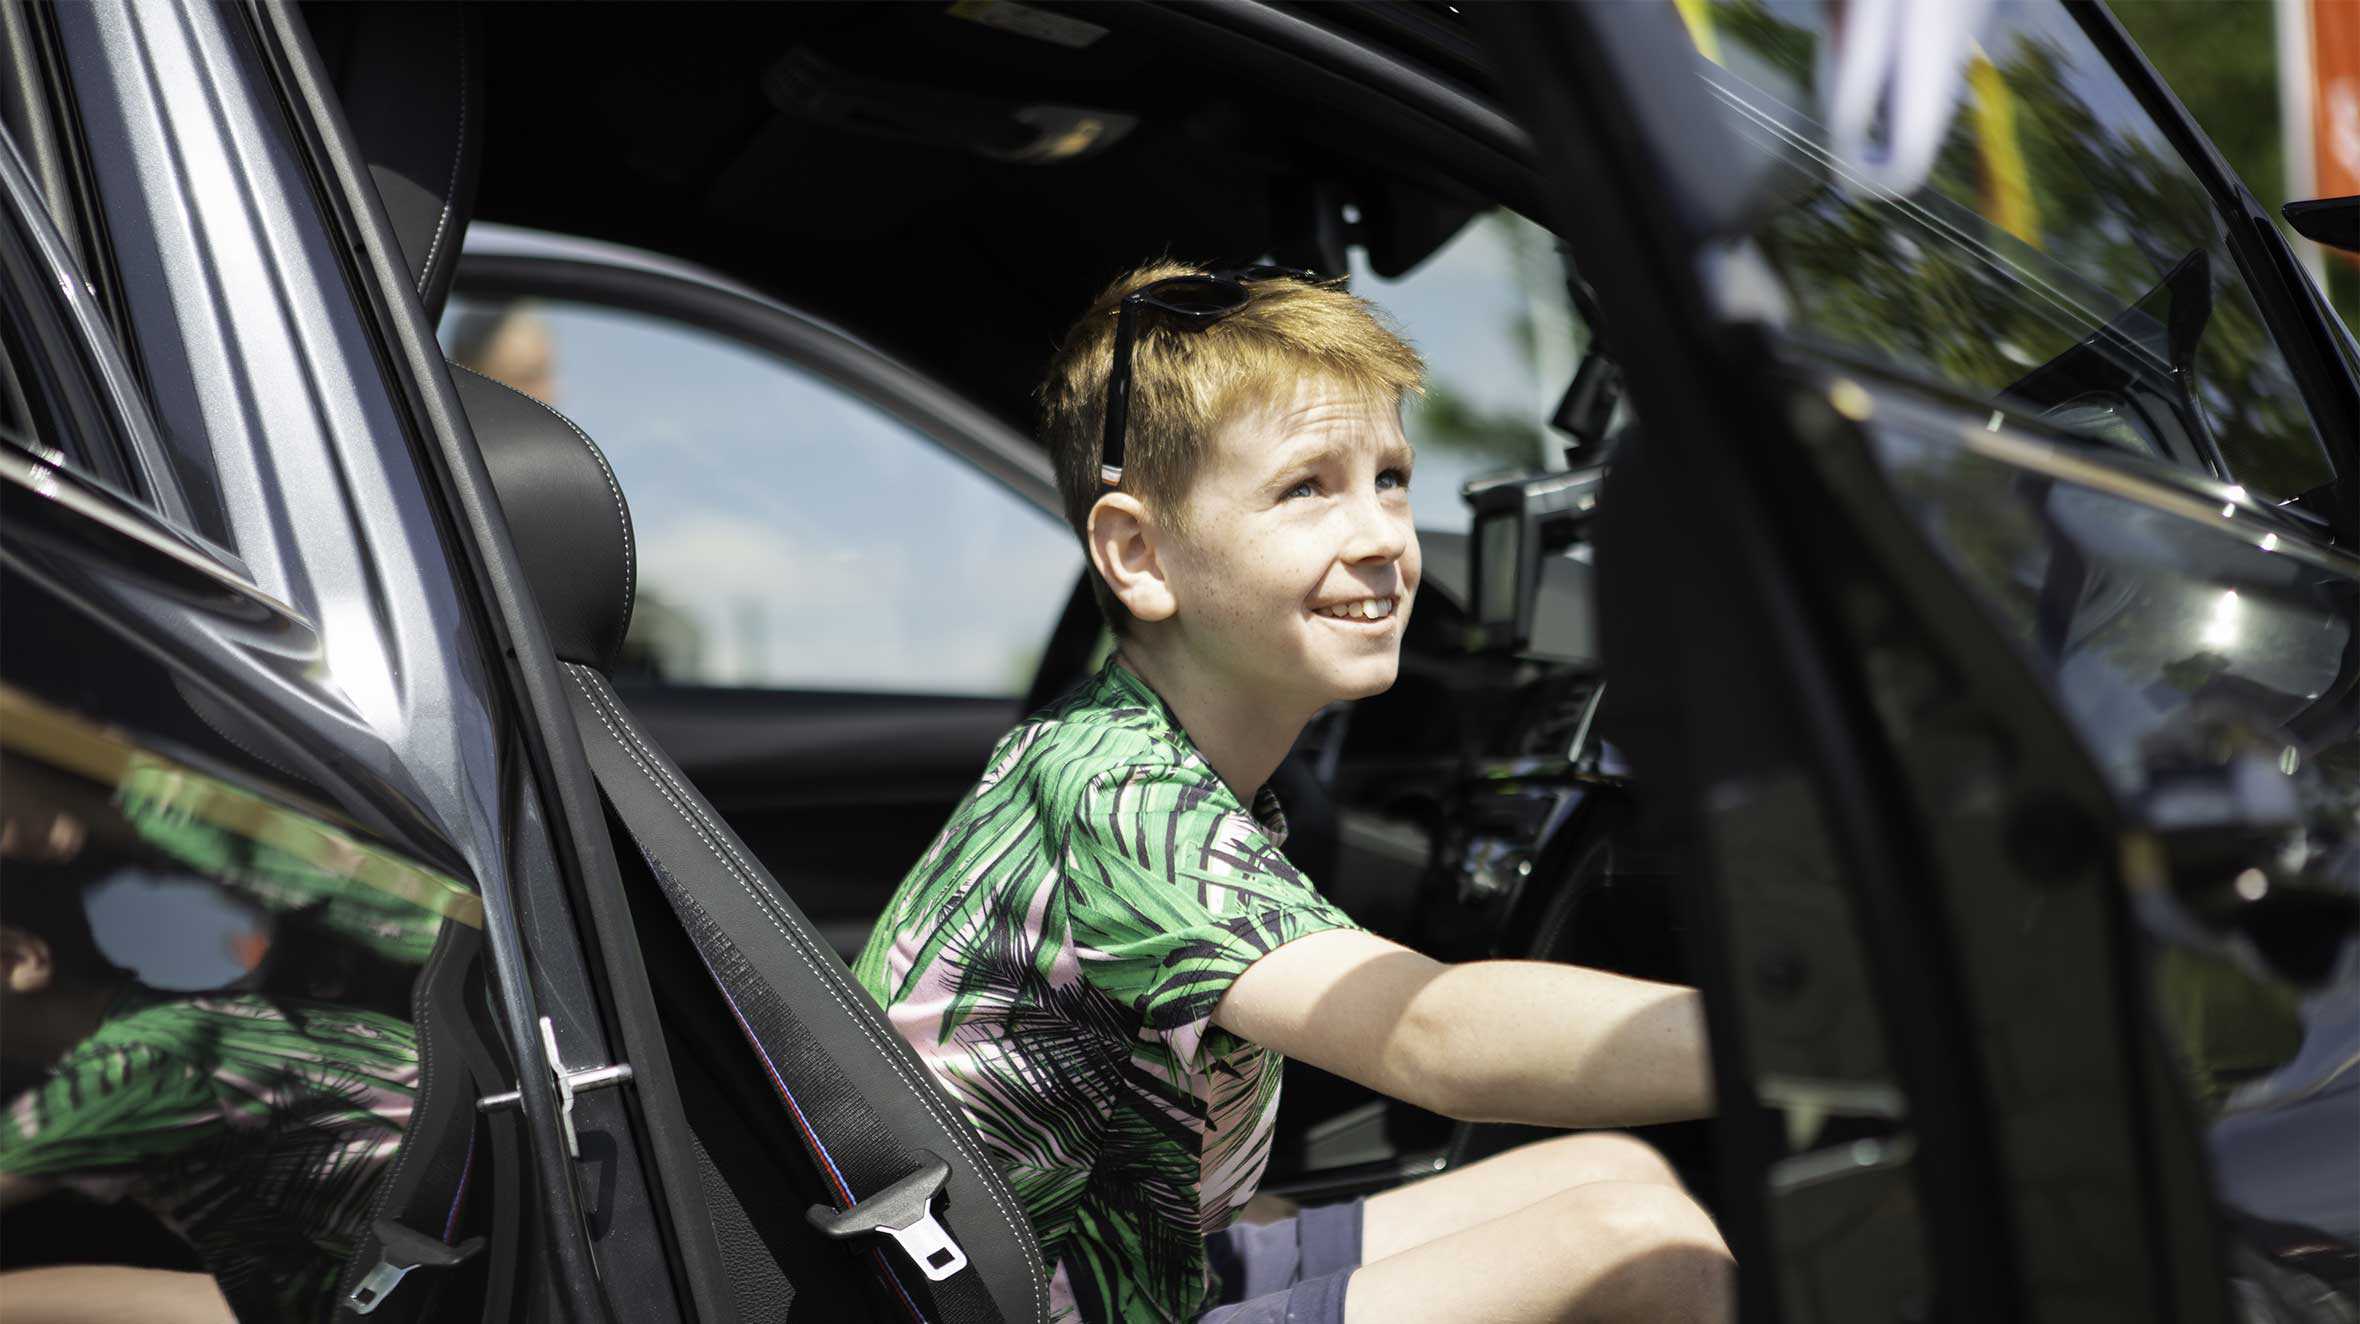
{"points": [[2221, 58], [1932, 284], [1444, 417]]}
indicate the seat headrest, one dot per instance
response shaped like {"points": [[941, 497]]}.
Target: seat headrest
{"points": [[565, 512], [410, 76]]}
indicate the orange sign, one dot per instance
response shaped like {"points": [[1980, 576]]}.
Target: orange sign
{"points": [[2335, 98]]}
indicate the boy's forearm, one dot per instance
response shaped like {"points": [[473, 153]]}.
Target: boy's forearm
{"points": [[1557, 1045]]}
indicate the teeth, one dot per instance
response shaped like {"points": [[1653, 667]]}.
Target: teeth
{"points": [[1367, 609], [1371, 608]]}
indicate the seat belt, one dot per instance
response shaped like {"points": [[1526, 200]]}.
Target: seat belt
{"points": [[420, 1207], [879, 1187]]}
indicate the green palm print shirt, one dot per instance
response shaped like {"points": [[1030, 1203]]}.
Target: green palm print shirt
{"points": [[258, 1130], [1056, 957]]}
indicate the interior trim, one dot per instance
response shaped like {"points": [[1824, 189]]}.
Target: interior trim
{"points": [[2221, 512], [69, 489], [1453, 130]]}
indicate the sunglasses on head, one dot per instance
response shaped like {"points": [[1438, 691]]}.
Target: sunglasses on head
{"points": [[1187, 303]]}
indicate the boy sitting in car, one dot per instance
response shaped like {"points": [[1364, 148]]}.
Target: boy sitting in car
{"points": [[1106, 956]]}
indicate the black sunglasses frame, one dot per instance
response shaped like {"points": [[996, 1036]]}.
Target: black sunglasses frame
{"points": [[1220, 294]]}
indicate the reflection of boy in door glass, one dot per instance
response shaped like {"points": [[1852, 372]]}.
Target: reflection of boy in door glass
{"points": [[302, 895], [509, 343], [255, 1126]]}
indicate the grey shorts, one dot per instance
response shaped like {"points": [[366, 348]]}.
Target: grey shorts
{"points": [[1292, 1271]]}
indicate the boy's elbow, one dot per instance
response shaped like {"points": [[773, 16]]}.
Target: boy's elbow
{"points": [[1431, 1070]]}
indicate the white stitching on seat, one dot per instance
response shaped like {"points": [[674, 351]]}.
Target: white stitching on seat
{"points": [[622, 513], [717, 842], [451, 189]]}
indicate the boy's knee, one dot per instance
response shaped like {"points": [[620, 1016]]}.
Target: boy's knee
{"points": [[1667, 1258], [1644, 1215], [1593, 1156]]}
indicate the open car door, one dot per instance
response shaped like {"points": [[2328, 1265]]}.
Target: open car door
{"points": [[2011, 747]]}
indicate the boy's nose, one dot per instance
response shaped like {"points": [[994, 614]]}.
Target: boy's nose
{"points": [[1378, 534]]}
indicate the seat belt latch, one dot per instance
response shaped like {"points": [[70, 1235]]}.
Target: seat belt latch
{"points": [[402, 1248], [903, 1211], [569, 1083]]}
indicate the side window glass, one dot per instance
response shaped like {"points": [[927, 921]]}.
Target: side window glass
{"points": [[2060, 258], [42, 409], [1488, 312], [791, 535], [209, 1061]]}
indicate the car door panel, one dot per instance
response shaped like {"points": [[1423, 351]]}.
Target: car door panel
{"points": [[2183, 644], [2005, 697]]}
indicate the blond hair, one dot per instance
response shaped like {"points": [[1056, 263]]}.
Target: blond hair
{"points": [[1187, 383]]}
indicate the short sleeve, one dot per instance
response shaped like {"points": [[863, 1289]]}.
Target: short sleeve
{"points": [[1173, 891], [108, 1111]]}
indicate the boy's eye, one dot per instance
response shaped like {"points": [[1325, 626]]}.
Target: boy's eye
{"points": [[1392, 478], [1308, 487]]}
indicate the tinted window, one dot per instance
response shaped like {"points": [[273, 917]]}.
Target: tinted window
{"points": [[41, 409], [2060, 257], [207, 1001], [1489, 314], [790, 535], [2200, 667]]}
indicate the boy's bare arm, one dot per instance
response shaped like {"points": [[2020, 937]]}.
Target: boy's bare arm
{"points": [[1489, 1041], [111, 1294]]}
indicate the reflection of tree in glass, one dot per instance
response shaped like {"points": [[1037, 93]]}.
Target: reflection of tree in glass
{"points": [[1930, 284], [1449, 420]]}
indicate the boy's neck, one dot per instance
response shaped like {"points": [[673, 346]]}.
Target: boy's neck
{"points": [[1239, 733]]}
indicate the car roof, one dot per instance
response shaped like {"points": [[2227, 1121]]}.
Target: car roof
{"points": [[841, 157]]}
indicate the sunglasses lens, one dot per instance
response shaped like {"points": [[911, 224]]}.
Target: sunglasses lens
{"points": [[1198, 296]]}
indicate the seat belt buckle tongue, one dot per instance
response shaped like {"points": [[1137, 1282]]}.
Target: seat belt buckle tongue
{"points": [[377, 1285], [928, 1244], [903, 1211], [401, 1249]]}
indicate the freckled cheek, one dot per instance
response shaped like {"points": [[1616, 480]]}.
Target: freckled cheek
{"points": [[1265, 580]]}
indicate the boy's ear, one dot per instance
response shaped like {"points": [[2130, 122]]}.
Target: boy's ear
{"points": [[25, 963], [1122, 543]]}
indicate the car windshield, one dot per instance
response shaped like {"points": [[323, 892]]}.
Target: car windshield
{"points": [[2057, 255]]}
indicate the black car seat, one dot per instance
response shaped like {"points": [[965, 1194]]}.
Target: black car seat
{"points": [[784, 1062], [807, 1107]]}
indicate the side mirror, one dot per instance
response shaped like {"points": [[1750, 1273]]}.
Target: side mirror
{"points": [[2132, 380], [2334, 222]]}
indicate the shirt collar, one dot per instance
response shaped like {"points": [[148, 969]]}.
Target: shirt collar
{"points": [[1122, 687]]}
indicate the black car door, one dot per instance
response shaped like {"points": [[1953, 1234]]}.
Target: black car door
{"points": [[846, 573], [274, 659], [2014, 738]]}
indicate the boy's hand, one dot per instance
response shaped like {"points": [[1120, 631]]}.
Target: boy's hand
{"points": [[1491, 1041]]}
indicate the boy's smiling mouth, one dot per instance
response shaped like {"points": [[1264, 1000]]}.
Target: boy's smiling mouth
{"points": [[1364, 610]]}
